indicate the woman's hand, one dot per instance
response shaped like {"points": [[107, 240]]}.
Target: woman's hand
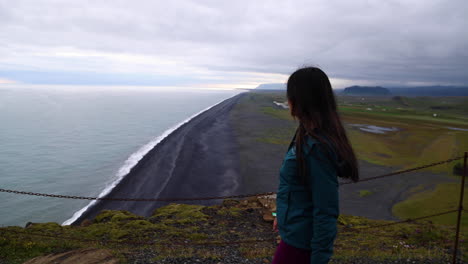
{"points": [[275, 225]]}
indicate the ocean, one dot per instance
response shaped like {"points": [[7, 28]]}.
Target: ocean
{"points": [[81, 142]]}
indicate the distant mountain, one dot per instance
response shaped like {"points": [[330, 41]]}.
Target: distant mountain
{"points": [[378, 90], [366, 90], [271, 86], [430, 91]]}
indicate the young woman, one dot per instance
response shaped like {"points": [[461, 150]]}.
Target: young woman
{"points": [[307, 201]]}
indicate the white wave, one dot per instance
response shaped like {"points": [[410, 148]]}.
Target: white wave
{"points": [[132, 161]]}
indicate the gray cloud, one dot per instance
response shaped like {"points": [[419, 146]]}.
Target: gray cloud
{"points": [[378, 41]]}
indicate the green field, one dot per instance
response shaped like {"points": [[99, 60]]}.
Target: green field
{"points": [[443, 198], [421, 138]]}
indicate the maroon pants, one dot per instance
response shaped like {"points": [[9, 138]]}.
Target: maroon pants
{"points": [[286, 254]]}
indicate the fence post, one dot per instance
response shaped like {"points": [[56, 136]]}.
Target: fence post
{"points": [[460, 208]]}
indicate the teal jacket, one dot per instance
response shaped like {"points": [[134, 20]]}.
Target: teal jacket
{"points": [[307, 215]]}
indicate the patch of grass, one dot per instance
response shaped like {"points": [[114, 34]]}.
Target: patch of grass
{"points": [[279, 136], [402, 114], [229, 211], [416, 189], [278, 113], [421, 240], [422, 139], [353, 221], [443, 198], [180, 213], [413, 145], [115, 216], [364, 193], [273, 140]]}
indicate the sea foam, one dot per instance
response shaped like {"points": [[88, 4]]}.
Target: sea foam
{"points": [[131, 161]]}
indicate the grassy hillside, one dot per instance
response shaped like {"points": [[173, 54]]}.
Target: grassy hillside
{"points": [[233, 220]]}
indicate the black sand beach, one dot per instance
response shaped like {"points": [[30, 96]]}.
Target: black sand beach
{"points": [[227, 150], [200, 158]]}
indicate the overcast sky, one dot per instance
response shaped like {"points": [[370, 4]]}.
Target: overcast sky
{"points": [[232, 43]]}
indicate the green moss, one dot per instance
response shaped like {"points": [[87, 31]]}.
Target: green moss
{"points": [[50, 227], [115, 216], [17, 248], [364, 193], [351, 221], [180, 213], [408, 240], [229, 211], [138, 225], [117, 234]]}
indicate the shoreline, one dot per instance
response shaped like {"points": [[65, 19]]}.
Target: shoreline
{"points": [[232, 134], [142, 168]]}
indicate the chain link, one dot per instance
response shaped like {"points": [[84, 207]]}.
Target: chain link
{"points": [[212, 197], [186, 243], [403, 221], [405, 171], [135, 199]]}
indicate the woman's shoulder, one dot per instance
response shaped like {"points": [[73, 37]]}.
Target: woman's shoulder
{"points": [[309, 144]]}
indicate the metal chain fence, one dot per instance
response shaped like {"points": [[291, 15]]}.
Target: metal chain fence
{"points": [[258, 240], [209, 197]]}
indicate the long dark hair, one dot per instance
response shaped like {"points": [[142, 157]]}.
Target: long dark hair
{"points": [[313, 103]]}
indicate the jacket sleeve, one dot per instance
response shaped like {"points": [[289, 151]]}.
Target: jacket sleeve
{"points": [[324, 188]]}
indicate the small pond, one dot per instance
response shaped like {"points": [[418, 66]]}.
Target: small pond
{"points": [[375, 129], [283, 105]]}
